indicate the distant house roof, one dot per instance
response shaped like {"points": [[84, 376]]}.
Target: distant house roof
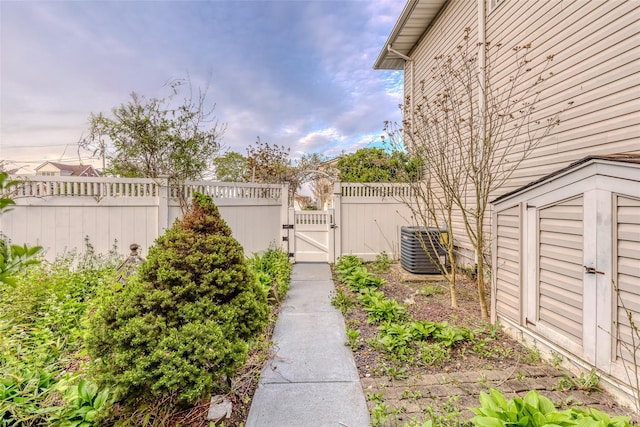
{"points": [[72, 170], [415, 19]]}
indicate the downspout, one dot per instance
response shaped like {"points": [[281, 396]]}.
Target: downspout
{"points": [[482, 63], [482, 82], [408, 59]]}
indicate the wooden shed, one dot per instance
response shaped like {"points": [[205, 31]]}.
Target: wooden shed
{"points": [[566, 266]]}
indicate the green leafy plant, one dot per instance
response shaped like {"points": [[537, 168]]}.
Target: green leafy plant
{"points": [[536, 410], [375, 397], [273, 272], [353, 339], [359, 278], [342, 301], [434, 354], [415, 423], [396, 338], [6, 187], [84, 404], [384, 310], [379, 414], [42, 325], [181, 326], [382, 263], [430, 290], [13, 258], [585, 381], [395, 372], [410, 394], [347, 263]]}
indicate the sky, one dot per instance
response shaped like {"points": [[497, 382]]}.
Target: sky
{"points": [[296, 73]]}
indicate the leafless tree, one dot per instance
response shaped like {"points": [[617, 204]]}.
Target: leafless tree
{"points": [[469, 148]]}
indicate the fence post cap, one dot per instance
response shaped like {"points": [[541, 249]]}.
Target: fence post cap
{"points": [[134, 249]]}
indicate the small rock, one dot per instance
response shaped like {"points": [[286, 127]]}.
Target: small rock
{"points": [[220, 407]]}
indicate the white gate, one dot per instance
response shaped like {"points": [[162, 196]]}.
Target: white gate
{"points": [[314, 236]]}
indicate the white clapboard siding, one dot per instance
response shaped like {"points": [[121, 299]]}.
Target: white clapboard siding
{"points": [[628, 276], [560, 269], [596, 65], [596, 51], [508, 263]]}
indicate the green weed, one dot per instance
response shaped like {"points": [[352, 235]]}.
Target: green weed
{"points": [[430, 290], [343, 301], [382, 264], [379, 414], [585, 381], [434, 354], [353, 339]]}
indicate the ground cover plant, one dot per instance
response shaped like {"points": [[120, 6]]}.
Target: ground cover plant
{"points": [[428, 365], [49, 312], [536, 410], [42, 355]]}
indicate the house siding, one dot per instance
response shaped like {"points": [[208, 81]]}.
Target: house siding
{"points": [[443, 36], [596, 66]]}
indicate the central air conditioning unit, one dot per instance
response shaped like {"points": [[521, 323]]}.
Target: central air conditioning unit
{"points": [[413, 256]]}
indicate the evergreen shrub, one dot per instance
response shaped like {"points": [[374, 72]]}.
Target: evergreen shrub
{"points": [[182, 325]]}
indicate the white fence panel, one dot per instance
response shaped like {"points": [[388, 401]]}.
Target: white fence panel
{"points": [[59, 213], [370, 217]]}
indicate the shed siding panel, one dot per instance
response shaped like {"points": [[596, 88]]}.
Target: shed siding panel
{"points": [[508, 259], [628, 275], [560, 267]]}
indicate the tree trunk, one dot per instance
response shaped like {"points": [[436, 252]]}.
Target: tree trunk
{"points": [[452, 288], [484, 308]]}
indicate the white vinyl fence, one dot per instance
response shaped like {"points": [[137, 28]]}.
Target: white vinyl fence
{"points": [[61, 213], [369, 218]]}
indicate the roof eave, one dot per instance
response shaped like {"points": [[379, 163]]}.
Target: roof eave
{"points": [[388, 60]]}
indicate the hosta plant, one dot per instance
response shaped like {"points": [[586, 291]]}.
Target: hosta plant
{"points": [[535, 410]]}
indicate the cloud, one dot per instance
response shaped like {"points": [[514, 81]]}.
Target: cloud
{"points": [[295, 73]]}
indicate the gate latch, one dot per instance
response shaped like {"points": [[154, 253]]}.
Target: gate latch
{"points": [[333, 226], [287, 226], [592, 270]]}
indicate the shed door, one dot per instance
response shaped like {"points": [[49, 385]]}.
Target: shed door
{"points": [[560, 291], [626, 340], [569, 287]]}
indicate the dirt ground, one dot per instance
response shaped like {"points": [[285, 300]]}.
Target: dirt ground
{"points": [[401, 393], [407, 394]]}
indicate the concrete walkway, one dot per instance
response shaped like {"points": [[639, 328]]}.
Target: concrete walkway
{"points": [[312, 379]]}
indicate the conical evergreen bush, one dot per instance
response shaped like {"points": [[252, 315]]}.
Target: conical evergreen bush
{"points": [[183, 323]]}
